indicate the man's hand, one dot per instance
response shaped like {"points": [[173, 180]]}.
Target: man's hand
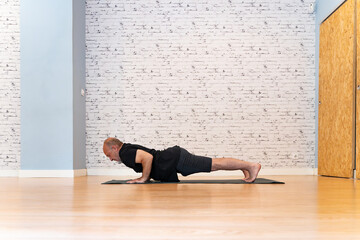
{"points": [[138, 180], [145, 159]]}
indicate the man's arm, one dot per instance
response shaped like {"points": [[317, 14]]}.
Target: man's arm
{"points": [[145, 159]]}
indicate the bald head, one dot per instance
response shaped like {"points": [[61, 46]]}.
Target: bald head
{"points": [[111, 148], [111, 141]]}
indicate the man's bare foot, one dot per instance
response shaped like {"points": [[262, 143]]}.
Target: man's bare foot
{"points": [[246, 174], [253, 171]]}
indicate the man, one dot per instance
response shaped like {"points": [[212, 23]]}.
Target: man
{"points": [[164, 165]]}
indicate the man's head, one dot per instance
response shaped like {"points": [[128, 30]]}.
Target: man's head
{"points": [[111, 148]]}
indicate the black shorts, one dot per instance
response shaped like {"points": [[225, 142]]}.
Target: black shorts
{"points": [[190, 163]]}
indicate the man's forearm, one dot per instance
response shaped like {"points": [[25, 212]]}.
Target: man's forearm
{"points": [[146, 169]]}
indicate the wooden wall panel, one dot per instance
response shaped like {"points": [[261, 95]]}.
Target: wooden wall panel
{"points": [[336, 93], [358, 91]]}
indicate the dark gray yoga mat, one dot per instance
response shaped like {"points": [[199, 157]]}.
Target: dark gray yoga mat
{"points": [[220, 181]]}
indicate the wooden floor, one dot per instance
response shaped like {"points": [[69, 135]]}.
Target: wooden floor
{"points": [[306, 207]]}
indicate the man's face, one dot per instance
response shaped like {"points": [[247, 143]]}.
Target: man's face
{"points": [[112, 152]]}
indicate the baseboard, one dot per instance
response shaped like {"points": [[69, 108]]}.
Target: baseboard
{"points": [[9, 173], [289, 171], [111, 172], [80, 172], [52, 173], [264, 171], [131, 173]]}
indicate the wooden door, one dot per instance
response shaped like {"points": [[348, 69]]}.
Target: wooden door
{"points": [[358, 90], [336, 93]]}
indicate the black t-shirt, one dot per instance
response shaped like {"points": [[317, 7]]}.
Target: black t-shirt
{"points": [[164, 162]]}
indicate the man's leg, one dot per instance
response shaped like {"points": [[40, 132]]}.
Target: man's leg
{"points": [[249, 169]]}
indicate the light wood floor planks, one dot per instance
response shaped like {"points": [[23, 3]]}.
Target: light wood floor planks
{"points": [[306, 207]]}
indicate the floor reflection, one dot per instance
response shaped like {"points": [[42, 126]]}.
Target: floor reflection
{"points": [[338, 205]]}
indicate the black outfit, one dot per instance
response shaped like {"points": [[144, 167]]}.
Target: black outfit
{"points": [[166, 163], [190, 163]]}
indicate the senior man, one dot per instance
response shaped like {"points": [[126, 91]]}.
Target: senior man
{"points": [[165, 164]]}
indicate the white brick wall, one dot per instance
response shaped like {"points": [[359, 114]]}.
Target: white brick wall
{"points": [[224, 78], [220, 78], [9, 84]]}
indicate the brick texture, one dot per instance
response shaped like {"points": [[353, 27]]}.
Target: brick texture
{"points": [[9, 84], [224, 78], [220, 78]]}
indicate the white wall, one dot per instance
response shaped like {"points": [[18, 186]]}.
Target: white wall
{"points": [[9, 85], [198, 79], [220, 78]]}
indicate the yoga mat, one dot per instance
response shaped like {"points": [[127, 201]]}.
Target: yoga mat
{"points": [[220, 181]]}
